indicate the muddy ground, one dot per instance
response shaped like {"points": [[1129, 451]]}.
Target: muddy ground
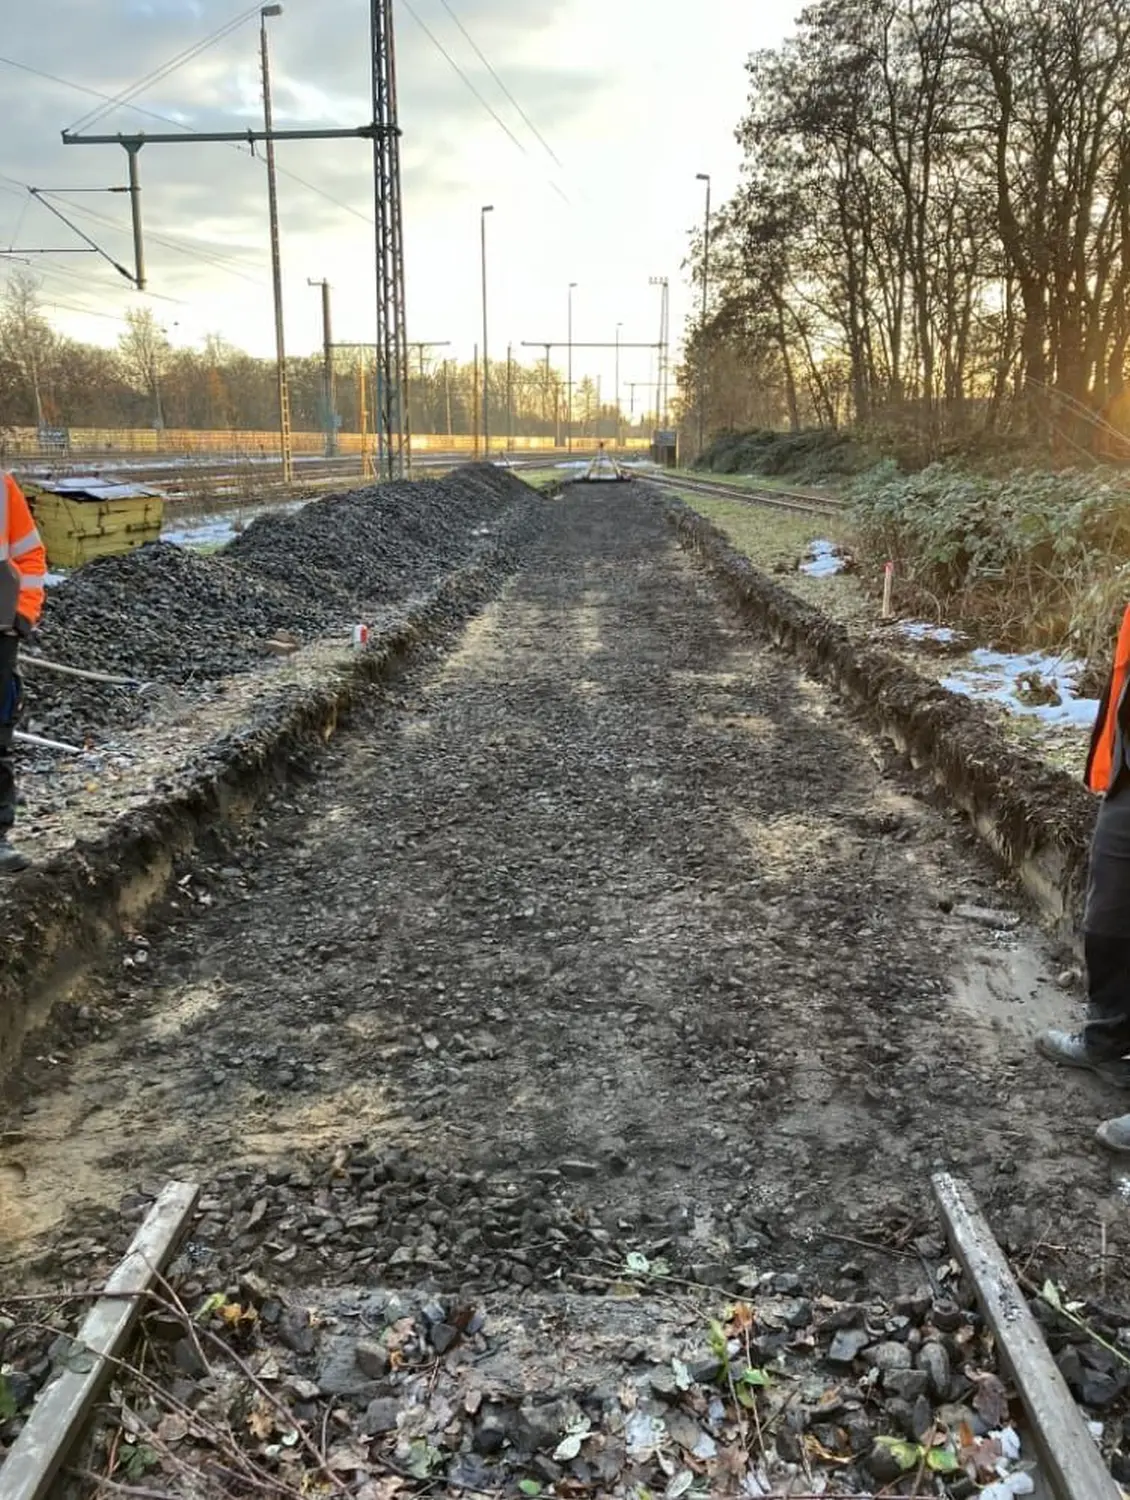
{"points": [[608, 931]]}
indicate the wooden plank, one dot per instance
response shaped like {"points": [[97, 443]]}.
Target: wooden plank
{"points": [[64, 1407], [1068, 1452]]}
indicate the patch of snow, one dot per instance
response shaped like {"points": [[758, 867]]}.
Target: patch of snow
{"points": [[218, 530], [51, 579], [918, 630], [823, 560], [994, 676]]}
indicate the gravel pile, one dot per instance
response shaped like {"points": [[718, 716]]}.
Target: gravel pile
{"points": [[167, 615]]}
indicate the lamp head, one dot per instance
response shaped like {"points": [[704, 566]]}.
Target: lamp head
{"points": [[271, 10]]}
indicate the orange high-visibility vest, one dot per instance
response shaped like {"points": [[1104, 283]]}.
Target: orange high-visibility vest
{"points": [[1106, 757], [22, 549]]}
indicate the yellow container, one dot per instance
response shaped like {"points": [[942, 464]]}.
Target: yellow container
{"points": [[82, 520]]}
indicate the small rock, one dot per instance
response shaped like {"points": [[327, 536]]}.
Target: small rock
{"points": [[683, 1429], [900, 1416], [882, 1465], [576, 1170], [540, 1424], [443, 1336], [907, 1384], [710, 1273], [372, 1359], [1099, 1390], [381, 1416], [935, 1362], [915, 1305], [923, 1418], [1071, 1368], [491, 1431], [295, 1333], [888, 1356], [847, 1346], [663, 1383]]}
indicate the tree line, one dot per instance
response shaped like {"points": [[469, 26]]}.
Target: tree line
{"points": [[932, 228], [49, 381]]}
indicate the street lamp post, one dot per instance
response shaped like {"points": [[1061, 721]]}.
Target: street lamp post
{"points": [[276, 260], [619, 439], [487, 209], [703, 177], [569, 392]]}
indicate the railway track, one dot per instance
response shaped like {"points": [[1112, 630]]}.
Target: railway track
{"points": [[234, 479], [803, 501], [537, 793]]}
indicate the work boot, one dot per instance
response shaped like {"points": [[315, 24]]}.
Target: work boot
{"points": [[1069, 1050], [11, 860], [1115, 1135]]}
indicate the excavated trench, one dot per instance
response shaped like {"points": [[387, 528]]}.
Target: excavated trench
{"points": [[606, 930]]}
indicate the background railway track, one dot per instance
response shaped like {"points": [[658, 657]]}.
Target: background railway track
{"points": [[779, 499], [236, 479]]}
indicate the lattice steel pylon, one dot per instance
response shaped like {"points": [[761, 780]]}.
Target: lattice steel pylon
{"points": [[394, 438]]}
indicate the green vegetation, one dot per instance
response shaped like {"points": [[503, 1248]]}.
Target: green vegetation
{"points": [[540, 479], [1033, 560], [815, 456], [774, 540]]}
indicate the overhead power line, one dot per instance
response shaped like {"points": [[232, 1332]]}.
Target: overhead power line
{"points": [[486, 64], [163, 71], [495, 116], [151, 114]]}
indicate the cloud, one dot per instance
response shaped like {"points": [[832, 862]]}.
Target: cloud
{"points": [[632, 108]]}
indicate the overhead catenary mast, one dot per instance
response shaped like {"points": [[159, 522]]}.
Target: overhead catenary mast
{"points": [[393, 430], [394, 439]]}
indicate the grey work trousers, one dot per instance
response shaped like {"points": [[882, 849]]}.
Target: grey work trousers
{"points": [[1106, 928], [9, 699]]}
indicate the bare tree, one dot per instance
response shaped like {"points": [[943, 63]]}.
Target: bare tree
{"points": [[28, 343]]}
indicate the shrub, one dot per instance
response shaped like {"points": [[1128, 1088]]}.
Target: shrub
{"points": [[812, 456], [1034, 559]]}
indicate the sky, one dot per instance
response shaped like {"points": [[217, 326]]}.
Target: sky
{"points": [[631, 100]]}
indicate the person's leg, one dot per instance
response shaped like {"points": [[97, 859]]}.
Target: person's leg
{"points": [[9, 651], [1105, 1039], [11, 861]]}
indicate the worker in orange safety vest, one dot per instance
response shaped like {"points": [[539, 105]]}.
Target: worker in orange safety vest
{"points": [[1104, 1042], [23, 568]]}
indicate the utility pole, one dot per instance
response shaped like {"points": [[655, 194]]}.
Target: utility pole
{"points": [[447, 393], [488, 209], [510, 396], [569, 377], [366, 462], [663, 364], [327, 369], [384, 132], [395, 428], [619, 434], [703, 177], [276, 258], [475, 400], [420, 345]]}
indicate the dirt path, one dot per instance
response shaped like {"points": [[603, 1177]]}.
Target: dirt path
{"points": [[610, 903]]}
